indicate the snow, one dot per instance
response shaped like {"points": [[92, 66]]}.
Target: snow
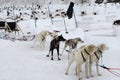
{"points": [[18, 61]]}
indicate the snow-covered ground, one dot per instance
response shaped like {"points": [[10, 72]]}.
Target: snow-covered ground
{"points": [[18, 61]]}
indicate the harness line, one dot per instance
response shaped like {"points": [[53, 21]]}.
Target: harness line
{"points": [[111, 70]]}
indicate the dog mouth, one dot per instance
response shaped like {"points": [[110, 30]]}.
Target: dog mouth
{"points": [[82, 41]]}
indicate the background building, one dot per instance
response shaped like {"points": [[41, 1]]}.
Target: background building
{"points": [[55, 1]]}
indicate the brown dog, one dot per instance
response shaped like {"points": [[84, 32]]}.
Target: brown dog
{"points": [[80, 56]]}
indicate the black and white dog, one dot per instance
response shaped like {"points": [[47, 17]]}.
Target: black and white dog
{"points": [[54, 44]]}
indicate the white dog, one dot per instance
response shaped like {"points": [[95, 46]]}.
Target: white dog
{"points": [[80, 56], [101, 48], [41, 38]]}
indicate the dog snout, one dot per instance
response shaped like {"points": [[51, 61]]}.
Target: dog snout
{"points": [[64, 39], [82, 41]]}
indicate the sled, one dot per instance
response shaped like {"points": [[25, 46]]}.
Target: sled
{"points": [[13, 27]]}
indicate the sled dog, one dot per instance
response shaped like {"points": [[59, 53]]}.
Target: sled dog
{"points": [[72, 43], [41, 38], [54, 44], [101, 48], [80, 56]]}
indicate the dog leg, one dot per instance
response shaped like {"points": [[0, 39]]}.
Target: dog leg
{"points": [[58, 53], [90, 67], [87, 69], [52, 55], [97, 69], [43, 44], [48, 54], [69, 64], [34, 43], [63, 50], [68, 68], [78, 72]]}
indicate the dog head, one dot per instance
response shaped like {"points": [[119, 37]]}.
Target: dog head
{"points": [[45, 32], [79, 39], [61, 38], [49, 33], [102, 47], [54, 35]]}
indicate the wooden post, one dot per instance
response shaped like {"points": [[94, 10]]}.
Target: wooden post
{"points": [[20, 29], [105, 7], [75, 19], [63, 15], [50, 15], [33, 12]]}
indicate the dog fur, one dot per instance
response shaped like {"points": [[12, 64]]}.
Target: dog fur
{"points": [[72, 43], [101, 48], [41, 38], [54, 44], [80, 56], [116, 22]]}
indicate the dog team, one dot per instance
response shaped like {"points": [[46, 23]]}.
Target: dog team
{"points": [[87, 54]]}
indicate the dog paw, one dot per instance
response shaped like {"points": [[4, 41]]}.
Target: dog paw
{"points": [[59, 59], [99, 75], [75, 73], [80, 70], [87, 77], [52, 59], [91, 76], [60, 54], [47, 56], [80, 78], [66, 73]]}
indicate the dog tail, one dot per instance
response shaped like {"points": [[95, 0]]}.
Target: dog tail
{"points": [[33, 37]]}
